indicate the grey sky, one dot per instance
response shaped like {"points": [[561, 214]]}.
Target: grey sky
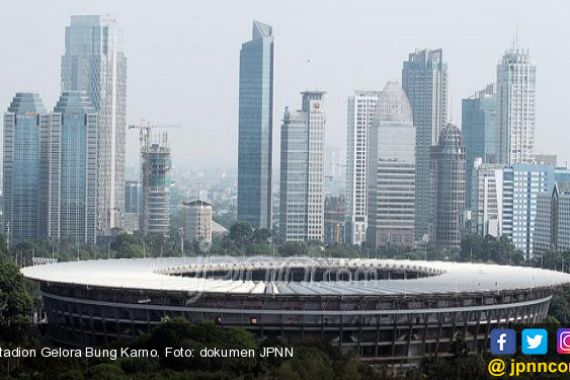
{"points": [[183, 58]]}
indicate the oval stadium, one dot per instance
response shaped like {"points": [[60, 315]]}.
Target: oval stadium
{"points": [[387, 311]]}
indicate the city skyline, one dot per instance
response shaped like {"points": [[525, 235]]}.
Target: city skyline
{"points": [[472, 55]]}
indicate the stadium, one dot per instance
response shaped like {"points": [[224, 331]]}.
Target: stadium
{"points": [[387, 311]]}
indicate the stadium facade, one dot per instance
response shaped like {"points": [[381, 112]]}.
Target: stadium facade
{"points": [[388, 311]]}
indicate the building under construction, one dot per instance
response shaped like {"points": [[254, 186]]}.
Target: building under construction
{"points": [[156, 163]]}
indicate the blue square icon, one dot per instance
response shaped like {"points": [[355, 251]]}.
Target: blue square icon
{"points": [[503, 341], [534, 341]]}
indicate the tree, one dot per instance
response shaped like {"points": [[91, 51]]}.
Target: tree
{"points": [[127, 246], [241, 233], [293, 248], [15, 302]]}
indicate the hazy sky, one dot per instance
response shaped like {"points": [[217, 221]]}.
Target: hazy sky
{"points": [[183, 58]]}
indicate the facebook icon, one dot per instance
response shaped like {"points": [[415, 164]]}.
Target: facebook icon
{"points": [[503, 341]]}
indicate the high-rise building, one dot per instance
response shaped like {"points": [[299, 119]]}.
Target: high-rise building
{"points": [[479, 126], [197, 221], [256, 127], [302, 171], [552, 226], [94, 61], [487, 184], [391, 170], [21, 167], [156, 163], [68, 154], [335, 214], [522, 183], [546, 159], [516, 93], [360, 113], [448, 188], [132, 196], [424, 79]]}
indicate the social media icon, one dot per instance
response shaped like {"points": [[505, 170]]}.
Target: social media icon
{"points": [[563, 341], [534, 341], [503, 341]]}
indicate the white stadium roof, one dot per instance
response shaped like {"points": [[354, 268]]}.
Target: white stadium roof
{"points": [[157, 274]]}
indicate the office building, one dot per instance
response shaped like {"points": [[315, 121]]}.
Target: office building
{"points": [[552, 228], [448, 188], [391, 171], [522, 184], [21, 167], [94, 61], [335, 214], [516, 107], [256, 127], [132, 196], [197, 221], [156, 164], [479, 126], [302, 171], [360, 113], [487, 185], [424, 80], [546, 159], [68, 155]]}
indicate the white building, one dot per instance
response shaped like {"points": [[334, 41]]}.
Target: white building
{"points": [[391, 170], [197, 221], [360, 113], [516, 92], [94, 61], [487, 197], [302, 171]]}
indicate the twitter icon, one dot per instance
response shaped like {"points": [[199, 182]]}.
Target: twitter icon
{"points": [[534, 341]]}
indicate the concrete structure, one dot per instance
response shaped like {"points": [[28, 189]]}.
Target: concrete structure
{"points": [[487, 184], [94, 61], [391, 170], [302, 171], [335, 219], [256, 127], [196, 220], [360, 113], [424, 80], [479, 126], [21, 186], [392, 312], [156, 163], [522, 183], [546, 159], [69, 169], [448, 188], [516, 107]]}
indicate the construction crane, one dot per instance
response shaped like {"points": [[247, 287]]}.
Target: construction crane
{"points": [[144, 128]]}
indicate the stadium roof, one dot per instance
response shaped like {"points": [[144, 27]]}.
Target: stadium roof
{"points": [[160, 274]]}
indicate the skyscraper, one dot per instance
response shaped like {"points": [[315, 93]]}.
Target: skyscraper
{"points": [[448, 188], [391, 170], [21, 168], [155, 179], [424, 79], [94, 62], [516, 93], [487, 184], [196, 219], [302, 171], [69, 169], [479, 126], [360, 113], [256, 127]]}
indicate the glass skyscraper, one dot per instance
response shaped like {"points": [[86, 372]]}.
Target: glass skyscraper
{"points": [[21, 168], [69, 169], [479, 126], [94, 62], [256, 127], [424, 79]]}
